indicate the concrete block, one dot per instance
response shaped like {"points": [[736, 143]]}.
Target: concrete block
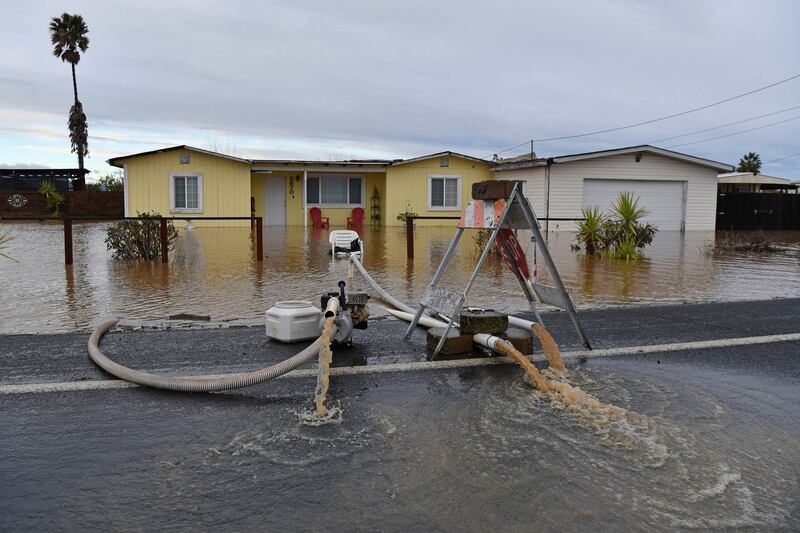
{"points": [[483, 321]]}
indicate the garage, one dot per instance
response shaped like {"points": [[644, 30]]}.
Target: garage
{"points": [[664, 200], [679, 190]]}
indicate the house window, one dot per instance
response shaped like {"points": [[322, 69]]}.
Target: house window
{"points": [[444, 193], [186, 193], [335, 191]]}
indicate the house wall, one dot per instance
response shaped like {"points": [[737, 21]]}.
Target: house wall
{"points": [[566, 185], [294, 197], [407, 184], [533, 185], [226, 185]]}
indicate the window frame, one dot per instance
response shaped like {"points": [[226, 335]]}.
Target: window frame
{"points": [[432, 207], [172, 208], [344, 175]]}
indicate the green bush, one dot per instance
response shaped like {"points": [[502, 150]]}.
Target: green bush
{"points": [[53, 198], [139, 239], [620, 234]]}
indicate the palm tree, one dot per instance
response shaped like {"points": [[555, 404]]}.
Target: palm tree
{"points": [[750, 162], [68, 36]]}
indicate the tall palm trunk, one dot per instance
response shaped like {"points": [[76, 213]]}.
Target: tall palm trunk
{"points": [[75, 93]]}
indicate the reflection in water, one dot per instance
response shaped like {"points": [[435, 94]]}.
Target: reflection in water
{"points": [[212, 271]]}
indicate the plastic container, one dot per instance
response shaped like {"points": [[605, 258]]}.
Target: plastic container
{"points": [[293, 320]]}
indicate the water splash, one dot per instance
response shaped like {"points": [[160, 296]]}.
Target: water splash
{"points": [[550, 347]]}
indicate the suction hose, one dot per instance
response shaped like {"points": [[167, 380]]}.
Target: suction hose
{"points": [[206, 383]]}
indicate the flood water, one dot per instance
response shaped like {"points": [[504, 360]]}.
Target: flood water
{"points": [[213, 272]]}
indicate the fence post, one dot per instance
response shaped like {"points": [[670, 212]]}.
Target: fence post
{"points": [[259, 239], [410, 237], [67, 241], [164, 240]]}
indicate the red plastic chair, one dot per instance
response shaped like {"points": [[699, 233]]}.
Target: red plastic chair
{"points": [[317, 219], [357, 219]]}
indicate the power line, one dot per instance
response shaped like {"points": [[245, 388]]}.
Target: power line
{"points": [[735, 133], [782, 158], [725, 125], [651, 121]]}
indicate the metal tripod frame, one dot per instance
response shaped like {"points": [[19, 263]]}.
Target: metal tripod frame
{"points": [[517, 214]]}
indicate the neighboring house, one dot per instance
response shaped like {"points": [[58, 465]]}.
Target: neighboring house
{"points": [[185, 181], [30, 179], [678, 190], [749, 182]]}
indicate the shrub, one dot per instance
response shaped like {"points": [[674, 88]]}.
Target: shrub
{"points": [[409, 212], [140, 238], [52, 197], [727, 241], [621, 234], [481, 239]]}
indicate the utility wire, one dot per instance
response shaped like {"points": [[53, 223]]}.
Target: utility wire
{"points": [[782, 158], [725, 125], [651, 121], [736, 132]]}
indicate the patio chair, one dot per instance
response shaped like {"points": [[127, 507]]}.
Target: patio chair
{"points": [[357, 218], [317, 219], [345, 242]]}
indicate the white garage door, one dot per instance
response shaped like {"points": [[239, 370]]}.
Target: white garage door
{"points": [[662, 199]]}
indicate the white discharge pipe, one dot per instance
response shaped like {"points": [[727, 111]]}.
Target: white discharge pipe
{"points": [[484, 339]]}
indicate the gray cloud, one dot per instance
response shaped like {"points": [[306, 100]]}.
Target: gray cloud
{"points": [[414, 76]]}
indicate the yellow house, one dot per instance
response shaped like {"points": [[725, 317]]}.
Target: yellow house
{"points": [[186, 181]]}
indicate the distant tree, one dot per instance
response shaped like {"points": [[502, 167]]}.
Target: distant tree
{"points": [[222, 145], [750, 162], [68, 36], [111, 182]]}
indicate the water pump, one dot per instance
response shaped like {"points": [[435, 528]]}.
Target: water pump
{"points": [[353, 313]]}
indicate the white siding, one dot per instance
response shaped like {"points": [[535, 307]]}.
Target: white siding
{"points": [[566, 185], [534, 185]]}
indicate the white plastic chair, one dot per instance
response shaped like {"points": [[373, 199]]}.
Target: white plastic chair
{"points": [[343, 239]]}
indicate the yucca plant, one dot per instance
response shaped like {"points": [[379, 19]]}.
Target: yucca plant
{"points": [[53, 198], [626, 249], [590, 230], [4, 240], [627, 211], [620, 234]]}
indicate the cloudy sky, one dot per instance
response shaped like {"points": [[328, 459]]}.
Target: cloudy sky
{"points": [[321, 79]]}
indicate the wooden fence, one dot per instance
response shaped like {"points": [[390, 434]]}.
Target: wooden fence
{"points": [[88, 203], [758, 211]]}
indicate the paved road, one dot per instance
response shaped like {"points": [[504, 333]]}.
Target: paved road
{"points": [[468, 449], [47, 358]]}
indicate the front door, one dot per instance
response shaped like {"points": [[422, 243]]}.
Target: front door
{"points": [[274, 201]]}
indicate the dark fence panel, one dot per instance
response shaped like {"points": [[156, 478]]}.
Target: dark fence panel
{"points": [[758, 211], [77, 204]]}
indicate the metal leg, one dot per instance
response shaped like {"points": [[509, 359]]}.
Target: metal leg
{"points": [[444, 336], [475, 272], [436, 278], [414, 321], [548, 260]]}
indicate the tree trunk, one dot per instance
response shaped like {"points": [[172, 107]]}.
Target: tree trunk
{"points": [[74, 83], [75, 93]]}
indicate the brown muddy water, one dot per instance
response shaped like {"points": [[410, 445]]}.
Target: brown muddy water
{"points": [[213, 272]]}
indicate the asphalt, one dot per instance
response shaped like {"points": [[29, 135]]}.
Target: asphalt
{"points": [[140, 459], [63, 357]]}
